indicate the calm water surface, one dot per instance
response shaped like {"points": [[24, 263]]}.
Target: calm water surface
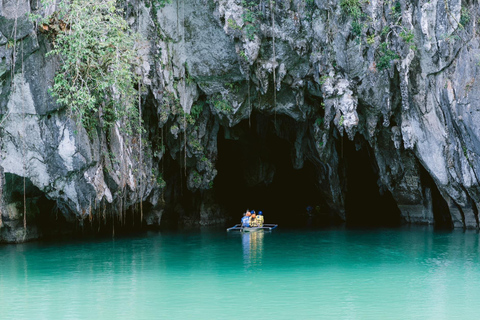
{"points": [[412, 273]]}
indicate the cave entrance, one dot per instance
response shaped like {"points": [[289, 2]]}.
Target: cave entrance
{"points": [[441, 212], [255, 171], [21, 194], [366, 204]]}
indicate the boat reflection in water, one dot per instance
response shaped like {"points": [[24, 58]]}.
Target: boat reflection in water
{"points": [[252, 247]]}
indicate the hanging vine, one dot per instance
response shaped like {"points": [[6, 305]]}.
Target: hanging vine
{"points": [[140, 184], [272, 10], [184, 90], [23, 158]]}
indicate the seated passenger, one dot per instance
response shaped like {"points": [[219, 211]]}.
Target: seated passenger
{"points": [[246, 220], [259, 219], [253, 219]]}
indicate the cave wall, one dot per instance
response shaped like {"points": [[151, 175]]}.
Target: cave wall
{"points": [[208, 68]]}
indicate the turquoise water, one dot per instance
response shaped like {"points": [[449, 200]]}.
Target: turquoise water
{"points": [[412, 273]]}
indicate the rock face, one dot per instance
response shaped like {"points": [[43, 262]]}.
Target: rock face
{"points": [[395, 79]]}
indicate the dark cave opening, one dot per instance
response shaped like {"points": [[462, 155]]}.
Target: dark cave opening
{"points": [[255, 171], [22, 194], [366, 204], [441, 212]]}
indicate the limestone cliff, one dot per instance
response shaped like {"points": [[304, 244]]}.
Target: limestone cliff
{"points": [[393, 79]]}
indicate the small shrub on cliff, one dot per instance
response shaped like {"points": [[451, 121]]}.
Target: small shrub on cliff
{"points": [[160, 3], [352, 8], [385, 56], [464, 17], [97, 52]]}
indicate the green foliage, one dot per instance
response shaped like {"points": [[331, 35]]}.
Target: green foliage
{"points": [[450, 38], [371, 39], [342, 119], [197, 109], [407, 36], [231, 87], [158, 178], [160, 3], [232, 24], [324, 78], [352, 8], [195, 144], [10, 43], [98, 51], [197, 177], [464, 17], [249, 20], [357, 28], [249, 3], [396, 10], [220, 104], [319, 121], [250, 31], [385, 56], [188, 78], [248, 16], [243, 55], [174, 128], [385, 31], [207, 162], [361, 21]]}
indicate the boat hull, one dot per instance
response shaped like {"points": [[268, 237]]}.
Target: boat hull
{"points": [[266, 227]]}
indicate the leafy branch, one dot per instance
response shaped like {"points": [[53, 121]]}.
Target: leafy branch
{"points": [[98, 52]]}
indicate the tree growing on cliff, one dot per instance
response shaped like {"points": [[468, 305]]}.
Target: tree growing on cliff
{"points": [[97, 52]]}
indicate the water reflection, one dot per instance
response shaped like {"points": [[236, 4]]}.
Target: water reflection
{"points": [[321, 274], [252, 247]]}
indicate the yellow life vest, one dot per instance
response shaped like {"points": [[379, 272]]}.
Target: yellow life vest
{"points": [[259, 221], [253, 222]]}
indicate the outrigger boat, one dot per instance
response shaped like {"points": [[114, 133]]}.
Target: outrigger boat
{"points": [[267, 227]]}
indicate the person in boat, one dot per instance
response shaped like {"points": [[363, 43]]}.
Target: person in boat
{"points": [[259, 219], [253, 219], [246, 220]]}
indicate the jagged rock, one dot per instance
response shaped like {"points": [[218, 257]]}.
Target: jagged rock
{"points": [[417, 113]]}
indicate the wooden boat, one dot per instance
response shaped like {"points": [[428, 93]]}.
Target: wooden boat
{"points": [[266, 226]]}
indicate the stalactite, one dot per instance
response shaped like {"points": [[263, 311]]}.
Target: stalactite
{"points": [[120, 209], [272, 10], [104, 212], [184, 90], [90, 216], [23, 158], [124, 203], [185, 145], [249, 103], [1, 193], [132, 210], [163, 160], [141, 151], [99, 216], [14, 51], [113, 225]]}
